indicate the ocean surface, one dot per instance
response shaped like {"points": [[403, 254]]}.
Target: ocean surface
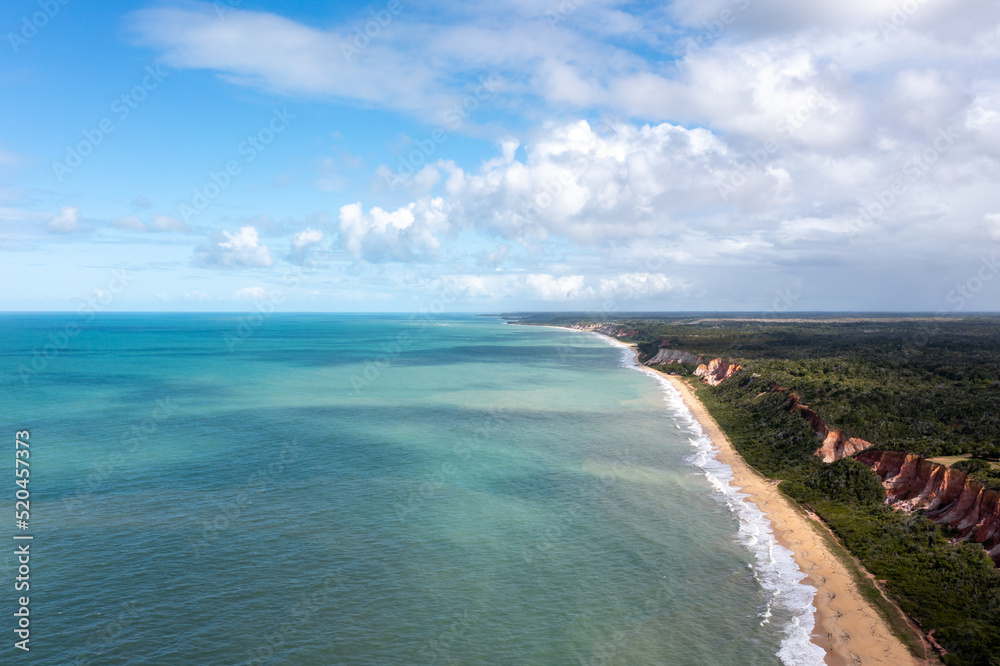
{"points": [[338, 489]]}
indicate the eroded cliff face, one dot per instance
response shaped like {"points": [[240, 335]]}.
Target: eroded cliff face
{"points": [[668, 356], [947, 496], [717, 371], [835, 445], [607, 329]]}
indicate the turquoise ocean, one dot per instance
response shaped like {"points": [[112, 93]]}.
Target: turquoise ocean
{"points": [[374, 489]]}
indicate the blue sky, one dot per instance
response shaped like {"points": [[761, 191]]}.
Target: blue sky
{"points": [[759, 155]]}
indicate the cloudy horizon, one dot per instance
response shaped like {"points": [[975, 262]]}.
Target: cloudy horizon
{"points": [[720, 155]]}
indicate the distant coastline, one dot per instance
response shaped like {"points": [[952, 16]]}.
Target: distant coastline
{"points": [[847, 626]]}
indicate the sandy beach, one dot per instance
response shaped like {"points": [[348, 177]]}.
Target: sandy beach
{"points": [[847, 626]]}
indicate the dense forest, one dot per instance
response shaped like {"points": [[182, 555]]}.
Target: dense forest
{"points": [[906, 383]]}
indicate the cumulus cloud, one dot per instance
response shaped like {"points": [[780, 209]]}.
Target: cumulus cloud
{"points": [[575, 183], [669, 183], [242, 249], [67, 221], [302, 242], [637, 286], [409, 233], [549, 288]]}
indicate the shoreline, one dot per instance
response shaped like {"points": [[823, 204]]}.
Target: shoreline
{"points": [[848, 628]]}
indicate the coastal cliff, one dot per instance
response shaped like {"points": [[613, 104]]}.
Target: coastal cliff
{"points": [[667, 356], [607, 329], [835, 445], [947, 496], [717, 371]]}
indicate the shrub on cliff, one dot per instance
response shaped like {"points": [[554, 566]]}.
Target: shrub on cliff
{"points": [[846, 480], [971, 466], [757, 420], [987, 451]]}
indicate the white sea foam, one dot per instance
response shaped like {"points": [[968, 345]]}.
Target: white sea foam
{"points": [[774, 565]]}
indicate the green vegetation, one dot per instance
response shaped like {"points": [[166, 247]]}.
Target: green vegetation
{"points": [[930, 387]]}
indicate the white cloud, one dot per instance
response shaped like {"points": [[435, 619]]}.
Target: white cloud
{"points": [[993, 225], [763, 64], [302, 242], [637, 286], [66, 222], [534, 286], [306, 237], [242, 249], [250, 294], [409, 233], [549, 288], [575, 183], [759, 18], [698, 201], [269, 51]]}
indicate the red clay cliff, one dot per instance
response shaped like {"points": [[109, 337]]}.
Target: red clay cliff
{"points": [[947, 496]]}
